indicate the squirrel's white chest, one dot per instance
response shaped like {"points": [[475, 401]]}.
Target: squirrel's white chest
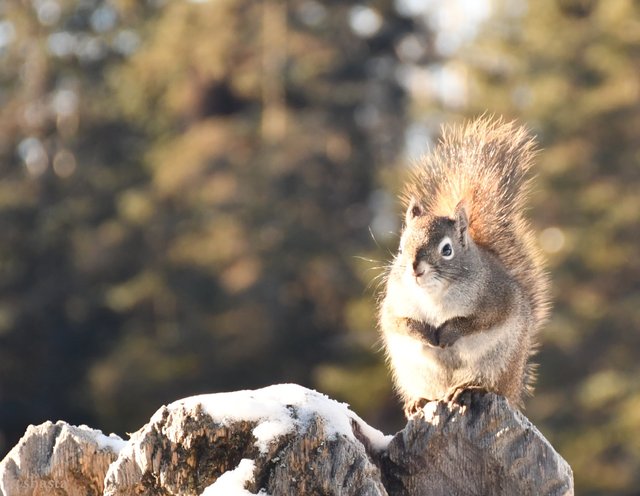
{"points": [[427, 304]]}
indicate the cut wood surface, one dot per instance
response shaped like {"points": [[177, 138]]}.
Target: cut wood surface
{"points": [[288, 440], [485, 448], [58, 459]]}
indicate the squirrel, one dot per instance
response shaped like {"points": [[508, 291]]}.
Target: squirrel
{"points": [[467, 291]]}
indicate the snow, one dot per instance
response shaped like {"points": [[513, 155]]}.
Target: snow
{"points": [[379, 441], [430, 415], [112, 441], [277, 410], [232, 482], [281, 409]]}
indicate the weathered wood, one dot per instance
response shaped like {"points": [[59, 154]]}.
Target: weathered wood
{"points": [[314, 446], [184, 451], [484, 448], [58, 459]]}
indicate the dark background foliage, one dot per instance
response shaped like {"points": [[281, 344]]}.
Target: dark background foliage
{"points": [[199, 196]]}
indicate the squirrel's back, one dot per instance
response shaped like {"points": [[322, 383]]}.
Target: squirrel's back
{"points": [[484, 164]]}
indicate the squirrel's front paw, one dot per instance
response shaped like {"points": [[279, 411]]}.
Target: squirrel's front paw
{"points": [[423, 331], [453, 329], [445, 338]]}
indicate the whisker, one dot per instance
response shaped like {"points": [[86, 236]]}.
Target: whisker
{"points": [[373, 237], [365, 259]]}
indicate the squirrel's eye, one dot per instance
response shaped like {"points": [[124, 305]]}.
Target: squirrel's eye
{"points": [[446, 249]]}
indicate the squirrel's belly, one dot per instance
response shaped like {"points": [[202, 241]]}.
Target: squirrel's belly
{"points": [[487, 355], [419, 370], [482, 359]]}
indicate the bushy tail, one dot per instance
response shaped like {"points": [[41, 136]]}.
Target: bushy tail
{"points": [[484, 163]]}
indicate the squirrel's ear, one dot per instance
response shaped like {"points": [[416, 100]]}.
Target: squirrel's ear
{"points": [[414, 210], [462, 222]]}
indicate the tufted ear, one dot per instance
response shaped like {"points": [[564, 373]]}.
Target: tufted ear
{"points": [[462, 223], [414, 210]]}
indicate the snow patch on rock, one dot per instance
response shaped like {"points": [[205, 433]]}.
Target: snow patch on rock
{"points": [[232, 482], [280, 410]]}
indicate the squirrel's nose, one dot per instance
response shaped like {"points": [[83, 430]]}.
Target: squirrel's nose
{"points": [[419, 264], [418, 268]]}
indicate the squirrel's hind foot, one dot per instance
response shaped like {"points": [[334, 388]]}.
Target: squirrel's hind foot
{"points": [[464, 396], [413, 406]]}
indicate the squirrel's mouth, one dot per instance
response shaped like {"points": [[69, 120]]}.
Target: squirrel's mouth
{"points": [[427, 280]]}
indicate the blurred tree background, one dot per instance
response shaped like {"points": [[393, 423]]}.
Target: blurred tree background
{"points": [[198, 196]]}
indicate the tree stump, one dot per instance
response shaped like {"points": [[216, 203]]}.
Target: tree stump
{"points": [[485, 448], [278, 440], [58, 459]]}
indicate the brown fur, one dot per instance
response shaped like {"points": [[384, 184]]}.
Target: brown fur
{"points": [[483, 165]]}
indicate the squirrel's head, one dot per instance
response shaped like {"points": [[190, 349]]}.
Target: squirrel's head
{"points": [[435, 251]]}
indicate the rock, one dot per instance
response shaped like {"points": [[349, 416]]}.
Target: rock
{"points": [[288, 440], [58, 459]]}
